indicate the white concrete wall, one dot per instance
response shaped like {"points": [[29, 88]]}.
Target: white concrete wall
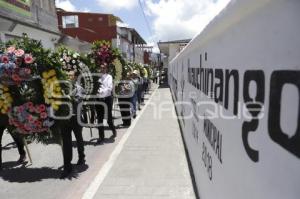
{"points": [[250, 56], [48, 39], [173, 51]]}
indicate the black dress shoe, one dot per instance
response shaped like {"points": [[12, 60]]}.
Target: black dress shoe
{"points": [[81, 161], [65, 173], [100, 140], [22, 158], [125, 125], [114, 135]]}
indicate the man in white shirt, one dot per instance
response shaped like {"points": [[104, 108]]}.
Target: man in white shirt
{"points": [[105, 96]]}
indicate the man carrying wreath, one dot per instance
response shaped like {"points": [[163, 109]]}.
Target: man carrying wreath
{"points": [[106, 99]]}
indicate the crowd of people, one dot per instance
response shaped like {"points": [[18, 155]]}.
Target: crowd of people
{"points": [[129, 93], [46, 95]]}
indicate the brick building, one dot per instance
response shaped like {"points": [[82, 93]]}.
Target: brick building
{"points": [[90, 27]]}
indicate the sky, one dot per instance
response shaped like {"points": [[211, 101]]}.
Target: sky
{"points": [[164, 20]]}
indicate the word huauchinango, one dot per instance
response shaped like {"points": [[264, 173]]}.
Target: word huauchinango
{"points": [[216, 83]]}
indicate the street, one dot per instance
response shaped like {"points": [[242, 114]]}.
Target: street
{"points": [[146, 160], [41, 179]]}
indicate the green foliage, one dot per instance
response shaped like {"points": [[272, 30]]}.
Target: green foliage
{"points": [[138, 67], [127, 69], [118, 70], [104, 53], [44, 61]]}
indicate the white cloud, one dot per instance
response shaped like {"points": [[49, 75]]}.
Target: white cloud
{"points": [[65, 4], [85, 10], [122, 24], [111, 5], [155, 48], [181, 19]]}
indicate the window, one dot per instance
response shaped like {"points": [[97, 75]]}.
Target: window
{"points": [[70, 21]]}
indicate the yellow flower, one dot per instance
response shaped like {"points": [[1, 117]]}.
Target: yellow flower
{"points": [[6, 95], [58, 102], [9, 99], [52, 73], [58, 89], [45, 75], [55, 106]]}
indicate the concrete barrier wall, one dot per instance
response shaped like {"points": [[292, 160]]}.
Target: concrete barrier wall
{"points": [[237, 92]]}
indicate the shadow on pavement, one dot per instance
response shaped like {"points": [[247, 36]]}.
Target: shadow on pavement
{"points": [[24, 174], [10, 164], [85, 143], [163, 86], [9, 146]]}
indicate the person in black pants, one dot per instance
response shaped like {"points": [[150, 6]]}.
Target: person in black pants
{"points": [[17, 138], [125, 108], [106, 103], [66, 128], [77, 95], [66, 135], [126, 89], [73, 125], [140, 92]]}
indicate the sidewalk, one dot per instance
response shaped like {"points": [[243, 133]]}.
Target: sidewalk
{"points": [[149, 161]]}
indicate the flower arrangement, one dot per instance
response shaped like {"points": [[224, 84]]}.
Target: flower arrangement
{"points": [[30, 118], [150, 73], [138, 67], [127, 69], [118, 70], [104, 54], [15, 66], [73, 61], [5, 99], [52, 89], [70, 60], [30, 87]]}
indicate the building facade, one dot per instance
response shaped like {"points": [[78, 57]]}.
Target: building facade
{"points": [[36, 18], [170, 49], [90, 27]]}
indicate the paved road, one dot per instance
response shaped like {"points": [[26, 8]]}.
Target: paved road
{"points": [[41, 179]]}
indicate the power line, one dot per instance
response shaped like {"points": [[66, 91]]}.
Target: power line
{"points": [[146, 20]]}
